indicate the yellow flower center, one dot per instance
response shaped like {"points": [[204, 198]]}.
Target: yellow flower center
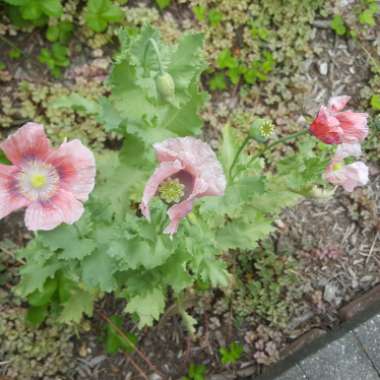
{"points": [[38, 181], [171, 191], [337, 166]]}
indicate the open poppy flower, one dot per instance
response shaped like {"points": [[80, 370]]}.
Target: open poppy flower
{"points": [[348, 176], [188, 170], [334, 126], [50, 183]]}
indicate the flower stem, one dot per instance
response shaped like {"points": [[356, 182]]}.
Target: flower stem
{"points": [[157, 52], [242, 146], [265, 149]]}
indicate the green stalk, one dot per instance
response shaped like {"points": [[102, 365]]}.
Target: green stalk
{"points": [[262, 151], [242, 146], [157, 52]]}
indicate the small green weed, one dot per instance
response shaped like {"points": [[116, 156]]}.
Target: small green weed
{"points": [[231, 354]]}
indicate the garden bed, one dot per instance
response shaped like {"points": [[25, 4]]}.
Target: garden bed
{"points": [[323, 254]]}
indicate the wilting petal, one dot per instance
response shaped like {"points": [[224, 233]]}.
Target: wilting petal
{"points": [[76, 167], [164, 171], [347, 150], [337, 103], [326, 127], [349, 176], [354, 125], [27, 143], [10, 199], [179, 211], [62, 208]]}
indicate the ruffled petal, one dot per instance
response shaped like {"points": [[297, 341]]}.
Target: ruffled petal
{"points": [[347, 150], [164, 171], [10, 199], [27, 143], [326, 127], [76, 168], [61, 208], [197, 158], [354, 125], [349, 177], [177, 212], [337, 103]]}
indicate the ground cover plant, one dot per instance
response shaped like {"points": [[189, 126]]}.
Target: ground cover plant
{"points": [[152, 211]]}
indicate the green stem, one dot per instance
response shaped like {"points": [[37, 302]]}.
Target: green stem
{"points": [[279, 141], [242, 146], [157, 51], [266, 148]]}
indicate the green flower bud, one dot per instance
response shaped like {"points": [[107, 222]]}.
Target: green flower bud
{"points": [[165, 85], [261, 130]]}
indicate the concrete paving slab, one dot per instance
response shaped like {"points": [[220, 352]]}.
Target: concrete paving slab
{"points": [[294, 373], [369, 335], [342, 359]]}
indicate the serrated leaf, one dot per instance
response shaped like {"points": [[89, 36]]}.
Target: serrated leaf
{"points": [[36, 315], [148, 306], [79, 303], [43, 297], [66, 238], [98, 270], [77, 102]]}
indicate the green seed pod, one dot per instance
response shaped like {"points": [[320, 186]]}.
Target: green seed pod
{"points": [[261, 130], [165, 85]]}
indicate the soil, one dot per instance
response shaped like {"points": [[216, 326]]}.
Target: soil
{"points": [[336, 242]]}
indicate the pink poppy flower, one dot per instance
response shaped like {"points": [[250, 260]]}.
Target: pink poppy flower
{"points": [[50, 183], [334, 126], [348, 176], [188, 170]]}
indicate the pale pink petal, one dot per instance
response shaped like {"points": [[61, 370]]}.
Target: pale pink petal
{"points": [[354, 125], [61, 208], [76, 168], [10, 199], [177, 212], [199, 171], [164, 171], [337, 103], [349, 176], [27, 143], [197, 158], [347, 150], [326, 127]]}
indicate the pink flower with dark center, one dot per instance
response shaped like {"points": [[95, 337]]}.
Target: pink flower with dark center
{"points": [[348, 176], [188, 170], [334, 126], [50, 183]]}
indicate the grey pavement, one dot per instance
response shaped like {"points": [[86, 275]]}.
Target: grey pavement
{"points": [[354, 356]]}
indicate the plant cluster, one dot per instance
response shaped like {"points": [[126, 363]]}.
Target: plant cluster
{"points": [[28, 353], [51, 105], [155, 96], [268, 284]]}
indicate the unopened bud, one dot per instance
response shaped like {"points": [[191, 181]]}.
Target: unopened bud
{"points": [[165, 85]]}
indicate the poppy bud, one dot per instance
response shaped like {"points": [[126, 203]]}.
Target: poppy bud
{"points": [[165, 85]]}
